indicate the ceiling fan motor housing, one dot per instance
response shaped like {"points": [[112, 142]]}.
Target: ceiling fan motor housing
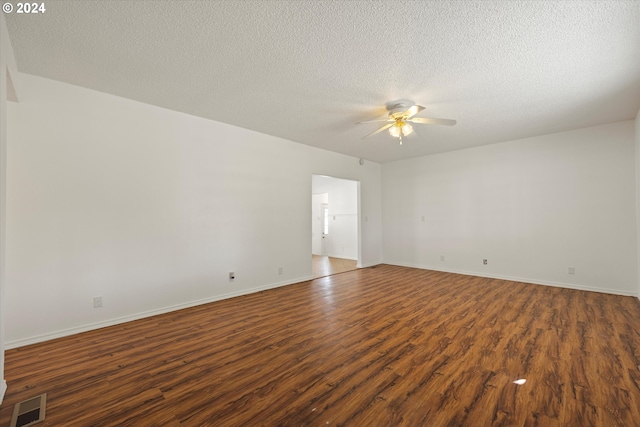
{"points": [[399, 104], [399, 107]]}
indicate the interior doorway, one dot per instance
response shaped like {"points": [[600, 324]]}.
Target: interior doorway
{"points": [[335, 225], [324, 227]]}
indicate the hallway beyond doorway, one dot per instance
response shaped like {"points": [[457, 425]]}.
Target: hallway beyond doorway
{"points": [[325, 266]]}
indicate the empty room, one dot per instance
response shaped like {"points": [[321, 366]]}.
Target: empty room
{"points": [[319, 212]]}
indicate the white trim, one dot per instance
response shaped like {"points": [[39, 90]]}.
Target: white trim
{"points": [[3, 389], [520, 279], [92, 326], [111, 322]]}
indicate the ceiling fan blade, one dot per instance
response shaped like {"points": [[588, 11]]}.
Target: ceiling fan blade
{"points": [[415, 109], [374, 121], [379, 130], [427, 121]]}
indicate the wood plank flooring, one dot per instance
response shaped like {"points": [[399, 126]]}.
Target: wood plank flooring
{"points": [[325, 266], [384, 346]]}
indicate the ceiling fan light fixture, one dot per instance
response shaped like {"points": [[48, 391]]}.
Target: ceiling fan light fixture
{"points": [[400, 128], [400, 119]]}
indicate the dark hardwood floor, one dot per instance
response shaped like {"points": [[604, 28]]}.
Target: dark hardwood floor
{"points": [[384, 346]]}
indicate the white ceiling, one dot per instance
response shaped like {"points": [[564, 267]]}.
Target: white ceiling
{"points": [[307, 70]]}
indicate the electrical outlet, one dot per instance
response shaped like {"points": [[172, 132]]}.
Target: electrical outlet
{"points": [[232, 276], [441, 257], [97, 302], [484, 261], [280, 271], [571, 270]]}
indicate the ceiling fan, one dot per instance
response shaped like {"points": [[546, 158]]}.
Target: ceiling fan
{"points": [[401, 116]]}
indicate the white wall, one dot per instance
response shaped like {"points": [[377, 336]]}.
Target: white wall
{"points": [[637, 135], [151, 209], [9, 89], [342, 241], [532, 208], [3, 192]]}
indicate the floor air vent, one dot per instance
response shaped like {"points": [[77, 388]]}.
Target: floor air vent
{"points": [[29, 412]]}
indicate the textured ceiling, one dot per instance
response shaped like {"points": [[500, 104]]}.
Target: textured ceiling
{"points": [[307, 70]]}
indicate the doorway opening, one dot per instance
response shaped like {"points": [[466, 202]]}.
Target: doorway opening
{"points": [[335, 225]]}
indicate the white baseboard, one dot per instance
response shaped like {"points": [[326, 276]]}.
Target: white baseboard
{"points": [[519, 279], [116, 321], [111, 322], [3, 389]]}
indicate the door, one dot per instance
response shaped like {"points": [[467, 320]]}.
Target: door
{"points": [[324, 223]]}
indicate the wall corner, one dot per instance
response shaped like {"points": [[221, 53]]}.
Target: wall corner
{"points": [[637, 152]]}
